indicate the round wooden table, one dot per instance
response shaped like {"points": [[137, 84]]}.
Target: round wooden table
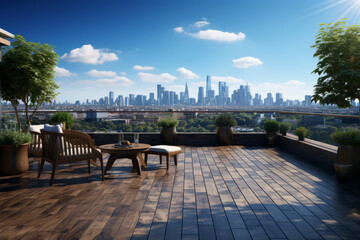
{"points": [[134, 153]]}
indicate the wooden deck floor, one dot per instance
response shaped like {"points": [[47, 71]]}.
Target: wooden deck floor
{"points": [[229, 192]]}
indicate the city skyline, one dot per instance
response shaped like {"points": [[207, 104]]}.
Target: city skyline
{"points": [[241, 97], [133, 46]]}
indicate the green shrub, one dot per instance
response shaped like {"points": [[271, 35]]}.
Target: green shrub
{"points": [[271, 126], [168, 123], [62, 117], [225, 120], [284, 127], [300, 131], [348, 137], [15, 138]]}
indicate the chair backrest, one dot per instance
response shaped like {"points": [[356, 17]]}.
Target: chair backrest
{"points": [[68, 146]]}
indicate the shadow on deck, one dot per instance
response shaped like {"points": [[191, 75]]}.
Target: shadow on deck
{"points": [[231, 192]]}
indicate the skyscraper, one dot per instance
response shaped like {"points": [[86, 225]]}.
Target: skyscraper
{"points": [[111, 98], [186, 96], [279, 99], [208, 85], [201, 99]]}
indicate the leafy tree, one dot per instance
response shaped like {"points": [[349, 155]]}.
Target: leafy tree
{"points": [[338, 50], [27, 74]]}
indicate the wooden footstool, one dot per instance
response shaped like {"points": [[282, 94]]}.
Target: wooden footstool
{"points": [[164, 150]]}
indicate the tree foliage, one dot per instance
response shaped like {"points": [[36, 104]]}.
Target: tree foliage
{"points": [[27, 75], [338, 50]]}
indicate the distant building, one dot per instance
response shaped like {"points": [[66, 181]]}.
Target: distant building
{"points": [[111, 98], [201, 98]]}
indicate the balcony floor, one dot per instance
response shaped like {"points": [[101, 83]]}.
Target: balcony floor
{"points": [[214, 192]]}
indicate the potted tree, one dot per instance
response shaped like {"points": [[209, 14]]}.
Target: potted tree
{"points": [[224, 124], [284, 127], [64, 118], [271, 128], [168, 131], [300, 132], [14, 147], [347, 161]]}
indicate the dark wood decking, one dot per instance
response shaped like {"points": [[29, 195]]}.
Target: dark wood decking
{"points": [[214, 193]]}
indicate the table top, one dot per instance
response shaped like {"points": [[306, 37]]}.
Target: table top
{"points": [[111, 148]]}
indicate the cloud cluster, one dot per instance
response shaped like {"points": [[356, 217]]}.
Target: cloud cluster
{"points": [[106, 82], [246, 62], [156, 78], [62, 72], [187, 74], [211, 34], [101, 74], [143, 68], [88, 54], [217, 35], [200, 24], [290, 89]]}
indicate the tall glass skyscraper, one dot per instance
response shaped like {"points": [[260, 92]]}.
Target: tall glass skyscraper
{"points": [[208, 85]]}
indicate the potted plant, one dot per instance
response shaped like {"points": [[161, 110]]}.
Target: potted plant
{"points": [[14, 152], [64, 118], [300, 132], [348, 160], [224, 124], [168, 131], [284, 127], [271, 128]]}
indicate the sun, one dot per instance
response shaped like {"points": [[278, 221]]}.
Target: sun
{"points": [[349, 9]]}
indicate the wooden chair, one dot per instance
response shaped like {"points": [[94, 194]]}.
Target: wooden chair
{"points": [[35, 148], [67, 147]]}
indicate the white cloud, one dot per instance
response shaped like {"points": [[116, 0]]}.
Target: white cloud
{"points": [[246, 62], [143, 68], [119, 51], [62, 72], [294, 83], [88, 54], [156, 78], [187, 74], [179, 29], [228, 80], [292, 89], [123, 73], [101, 74], [106, 82], [201, 24], [217, 35]]}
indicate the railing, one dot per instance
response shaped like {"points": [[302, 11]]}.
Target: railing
{"points": [[320, 125]]}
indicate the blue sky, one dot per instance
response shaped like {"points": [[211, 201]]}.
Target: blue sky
{"points": [[130, 46]]}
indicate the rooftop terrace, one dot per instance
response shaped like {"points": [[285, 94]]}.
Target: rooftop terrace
{"points": [[231, 192]]}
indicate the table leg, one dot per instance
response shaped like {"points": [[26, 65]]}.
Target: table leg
{"points": [[136, 164], [110, 162], [142, 161]]}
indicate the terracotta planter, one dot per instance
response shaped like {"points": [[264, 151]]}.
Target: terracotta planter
{"points": [[14, 160], [347, 161], [271, 138], [168, 136], [225, 135]]}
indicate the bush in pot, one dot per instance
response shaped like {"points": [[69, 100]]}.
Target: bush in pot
{"points": [[62, 117], [224, 124], [300, 132], [271, 128], [348, 160], [168, 131], [14, 152], [284, 127]]}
